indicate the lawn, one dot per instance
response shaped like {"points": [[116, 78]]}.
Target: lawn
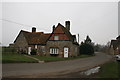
{"points": [[109, 70], [10, 57], [50, 58], [15, 58]]}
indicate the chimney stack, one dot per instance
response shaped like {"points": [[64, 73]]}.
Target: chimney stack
{"points": [[67, 25], [53, 27], [33, 29]]}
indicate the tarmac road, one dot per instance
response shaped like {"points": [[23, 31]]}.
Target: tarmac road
{"points": [[51, 69]]}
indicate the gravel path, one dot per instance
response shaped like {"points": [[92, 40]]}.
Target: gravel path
{"points": [[51, 69]]}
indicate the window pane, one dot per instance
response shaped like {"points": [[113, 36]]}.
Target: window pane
{"points": [[54, 50], [50, 51], [57, 51], [56, 37]]}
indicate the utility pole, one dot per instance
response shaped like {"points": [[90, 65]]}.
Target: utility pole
{"points": [[78, 38]]}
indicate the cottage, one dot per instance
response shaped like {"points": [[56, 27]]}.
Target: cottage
{"points": [[59, 43], [115, 46]]}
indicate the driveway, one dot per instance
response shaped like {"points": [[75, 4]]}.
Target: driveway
{"points": [[32, 70]]}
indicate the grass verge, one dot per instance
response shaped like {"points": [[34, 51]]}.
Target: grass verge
{"points": [[9, 57], [109, 70], [16, 58], [51, 58]]}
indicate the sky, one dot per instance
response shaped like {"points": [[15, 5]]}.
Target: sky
{"points": [[99, 20]]}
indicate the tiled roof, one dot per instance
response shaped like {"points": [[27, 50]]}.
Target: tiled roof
{"points": [[41, 38], [61, 29], [35, 37]]}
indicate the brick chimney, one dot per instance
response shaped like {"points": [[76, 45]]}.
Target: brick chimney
{"points": [[67, 25], [53, 27], [33, 29]]}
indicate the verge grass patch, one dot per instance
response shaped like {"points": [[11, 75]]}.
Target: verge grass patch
{"points": [[109, 70], [16, 58]]}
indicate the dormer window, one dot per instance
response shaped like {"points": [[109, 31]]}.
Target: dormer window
{"points": [[56, 37]]}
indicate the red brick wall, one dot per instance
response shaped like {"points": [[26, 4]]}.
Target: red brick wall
{"points": [[61, 37]]}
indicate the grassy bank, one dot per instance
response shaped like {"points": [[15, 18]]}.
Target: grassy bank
{"points": [[109, 70]]}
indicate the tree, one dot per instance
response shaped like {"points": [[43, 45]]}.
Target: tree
{"points": [[98, 47], [87, 47], [88, 40]]}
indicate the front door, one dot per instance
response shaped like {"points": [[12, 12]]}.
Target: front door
{"points": [[65, 52]]}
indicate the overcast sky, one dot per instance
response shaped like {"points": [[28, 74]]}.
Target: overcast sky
{"points": [[99, 20]]}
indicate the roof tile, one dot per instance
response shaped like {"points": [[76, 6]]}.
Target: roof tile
{"points": [[36, 37]]}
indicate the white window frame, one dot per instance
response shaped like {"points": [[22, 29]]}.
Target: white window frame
{"points": [[54, 50], [56, 37]]}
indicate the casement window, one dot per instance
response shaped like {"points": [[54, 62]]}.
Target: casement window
{"points": [[56, 37], [54, 50]]}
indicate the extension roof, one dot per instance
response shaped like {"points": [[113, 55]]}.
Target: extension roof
{"points": [[35, 37]]}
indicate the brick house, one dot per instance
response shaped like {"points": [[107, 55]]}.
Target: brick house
{"points": [[59, 43], [115, 46]]}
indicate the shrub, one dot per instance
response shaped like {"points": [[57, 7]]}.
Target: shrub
{"points": [[23, 52], [86, 49], [33, 52]]}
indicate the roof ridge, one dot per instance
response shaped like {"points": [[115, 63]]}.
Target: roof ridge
{"points": [[24, 31], [59, 24]]}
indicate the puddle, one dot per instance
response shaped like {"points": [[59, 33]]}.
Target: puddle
{"points": [[90, 71]]}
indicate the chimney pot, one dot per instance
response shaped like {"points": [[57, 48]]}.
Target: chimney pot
{"points": [[33, 29]]}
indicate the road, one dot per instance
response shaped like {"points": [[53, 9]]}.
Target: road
{"points": [[35, 70]]}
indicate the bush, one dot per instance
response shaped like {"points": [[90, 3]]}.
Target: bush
{"points": [[86, 49], [33, 52], [23, 52]]}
